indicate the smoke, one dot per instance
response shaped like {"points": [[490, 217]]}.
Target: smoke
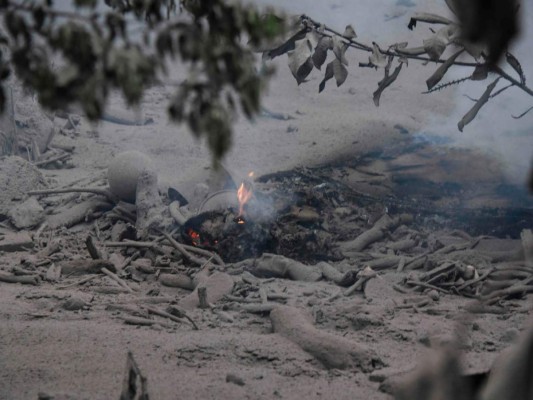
{"points": [[494, 132]]}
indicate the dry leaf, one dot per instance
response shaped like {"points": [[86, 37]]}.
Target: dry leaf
{"points": [[300, 61], [340, 72], [287, 46], [313, 38], [471, 114], [349, 32], [403, 60], [321, 51], [441, 71], [377, 58], [429, 18], [339, 49], [327, 76], [476, 50], [436, 44], [480, 72], [386, 82], [396, 46], [513, 62]]}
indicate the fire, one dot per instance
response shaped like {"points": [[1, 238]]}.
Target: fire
{"points": [[244, 193], [195, 236]]}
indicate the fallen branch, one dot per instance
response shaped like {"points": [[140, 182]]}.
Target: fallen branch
{"points": [[23, 279], [258, 308], [82, 267], [203, 252], [80, 282], [425, 286], [377, 232], [362, 278], [183, 250], [117, 279], [172, 317], [180, 313], [331, 350], [62, 157], [273, 265], [78, 213], [101, 192], [145, 322]]}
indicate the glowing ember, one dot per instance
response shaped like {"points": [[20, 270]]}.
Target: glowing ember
{"points": [[244, 193], [195, 237]]}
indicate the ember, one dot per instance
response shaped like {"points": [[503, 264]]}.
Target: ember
{"points": [[194, 236]]}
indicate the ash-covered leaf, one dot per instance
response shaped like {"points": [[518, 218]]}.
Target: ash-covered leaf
{"points": [[471, 114], [481, 72], [285, 47], [300, 60], [339, 49], [327, 76], [476, 49], [339, 71], [441, 71], [396, 46], [429, 18], [321, 51], [386, 81], [436, 44], [513, 62], [377, 58], [349, 32]]}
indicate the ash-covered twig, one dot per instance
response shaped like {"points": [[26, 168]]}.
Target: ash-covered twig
{"points": [[102, 192], [524, 113], [447, 85]]}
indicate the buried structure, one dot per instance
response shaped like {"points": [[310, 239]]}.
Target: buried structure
{"points": [[296, 283]]}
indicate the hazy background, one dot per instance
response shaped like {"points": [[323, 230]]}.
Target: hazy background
{"points": [[493, 131]]}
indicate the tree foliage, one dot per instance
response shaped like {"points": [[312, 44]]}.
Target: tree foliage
{"points": [[81, 56]]}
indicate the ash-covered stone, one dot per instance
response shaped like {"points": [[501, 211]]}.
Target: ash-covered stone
{"points": [[27, 214]]}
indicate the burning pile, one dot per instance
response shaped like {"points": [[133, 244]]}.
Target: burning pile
{"points": [[282, 222]]}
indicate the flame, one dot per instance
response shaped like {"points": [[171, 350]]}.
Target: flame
{"points": [[244, 193]]}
